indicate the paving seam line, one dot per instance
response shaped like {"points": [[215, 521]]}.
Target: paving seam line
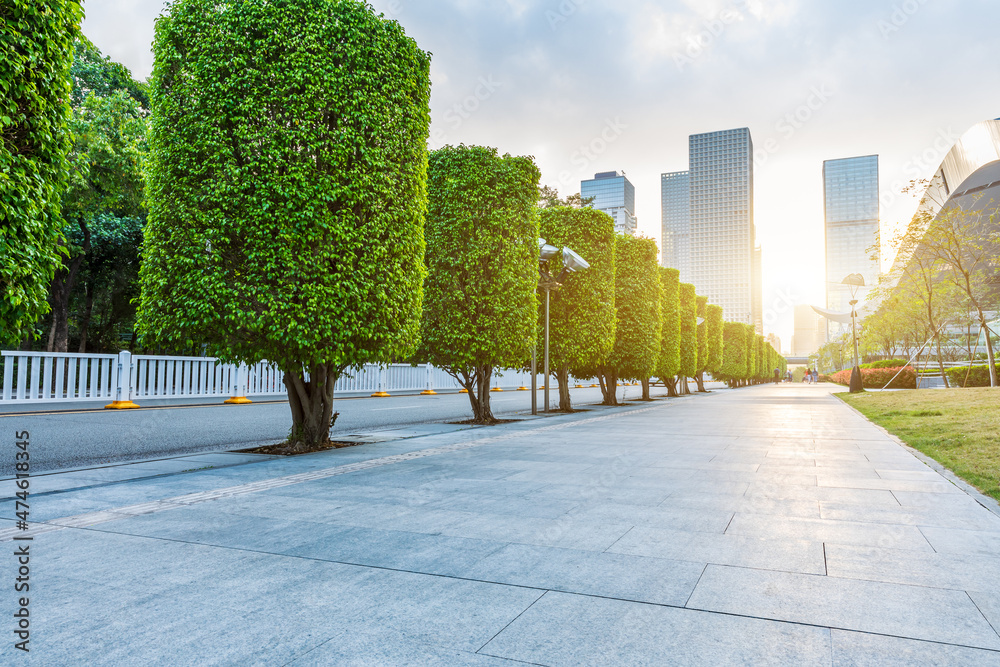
{"points": [[104, 516], [984, 500]]}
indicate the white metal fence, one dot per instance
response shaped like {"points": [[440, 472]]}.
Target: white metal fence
{"points": [[43, 377]]}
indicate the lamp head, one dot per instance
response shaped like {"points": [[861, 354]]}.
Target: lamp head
{"points": [[854, 280], [573, 262], [546, 251]]}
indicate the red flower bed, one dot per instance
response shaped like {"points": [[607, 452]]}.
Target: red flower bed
{"points": [[876, 378]]}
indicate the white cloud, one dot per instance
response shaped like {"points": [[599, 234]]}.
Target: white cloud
{"points": [[602, 60]]}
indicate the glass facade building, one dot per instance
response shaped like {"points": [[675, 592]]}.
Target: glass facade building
{"points": [[675, 219], [614, 194], [850, 193], [723, 257]]}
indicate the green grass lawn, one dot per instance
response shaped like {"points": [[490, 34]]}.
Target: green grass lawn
{"points": [[959, 428]]}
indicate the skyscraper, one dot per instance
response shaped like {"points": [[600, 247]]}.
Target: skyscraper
{"points": [[724, 265], [850, 192], [675, 217], [614, 194]]}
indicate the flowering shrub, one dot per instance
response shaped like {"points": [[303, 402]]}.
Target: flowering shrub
{"points": [[876, 378]]}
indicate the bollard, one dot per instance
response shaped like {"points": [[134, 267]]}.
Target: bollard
{"points": [[123, 384], [238, 390], [381, 393], [429, 391]]}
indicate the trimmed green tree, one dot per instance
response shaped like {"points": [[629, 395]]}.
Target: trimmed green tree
{"points": [[763, 369], [582, 318], [637, 299], [668, 364], [102, 204], [689, 335], [751, 355], [734, 358], [480, 308], [287, 191], [716, 340], [699, 377], [35, 57]]}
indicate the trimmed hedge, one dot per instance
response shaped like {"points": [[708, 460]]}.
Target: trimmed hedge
{"points": [[886, 363], [876, 378], [977, 376]]}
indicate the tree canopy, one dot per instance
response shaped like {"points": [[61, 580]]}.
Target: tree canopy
{"points": [[287, 190], [480, 308], [689, 330], [106, 190], [582, 315], [716, 338], [35, 57], [668, 364], [637, 299]]}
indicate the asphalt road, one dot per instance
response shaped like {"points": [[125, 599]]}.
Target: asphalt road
{"points": [[76, 439]]}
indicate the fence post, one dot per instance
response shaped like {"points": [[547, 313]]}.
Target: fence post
{"points": [[238, 390], [122, 389], [381, 393], [429, 391]]}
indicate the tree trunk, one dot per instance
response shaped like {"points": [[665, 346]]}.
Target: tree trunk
{"points": [[609, 387], [944, 374], [700, 379], [671, 385], [62, 288], [991, 358], [604, 390], [645, 390], [685, 390], [312, 406], [477, 383], [565, 400], [85, 322]]}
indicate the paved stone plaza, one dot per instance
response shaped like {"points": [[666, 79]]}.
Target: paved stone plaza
{"points": [[771, 526]]}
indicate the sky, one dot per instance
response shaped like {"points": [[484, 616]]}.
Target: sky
{"points": [[586, 86]]}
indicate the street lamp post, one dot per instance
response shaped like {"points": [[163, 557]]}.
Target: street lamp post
{"points": [[855, 281], [572, 262]]}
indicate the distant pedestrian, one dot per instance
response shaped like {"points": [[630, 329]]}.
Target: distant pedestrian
{"points": [[777, 376], [807, 376], [815, 376], [788, 376]]}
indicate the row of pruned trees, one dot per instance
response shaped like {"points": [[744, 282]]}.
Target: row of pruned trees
{"points": [[296, 216]]}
